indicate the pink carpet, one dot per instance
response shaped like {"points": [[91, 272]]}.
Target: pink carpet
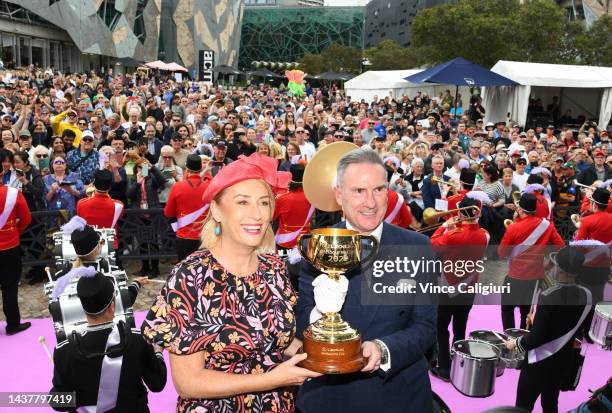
{"points": [[25, 367]]}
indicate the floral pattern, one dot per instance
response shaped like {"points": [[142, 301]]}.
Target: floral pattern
{"points": [[241, 324]]}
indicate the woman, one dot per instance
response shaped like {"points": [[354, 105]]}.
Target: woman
{"points": [[261, 131], [9, 175], [492, 186], [40, 158], [292, 150], [227, 132], [170, 171], [143, 193], [30, 180], [62, 189], [264, 149], [509, 188], [58, 147], [188, 144], [277, 126], [209, 313]]}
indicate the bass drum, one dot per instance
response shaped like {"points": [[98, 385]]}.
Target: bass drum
{"points": [[64, 250], [67, 312]]}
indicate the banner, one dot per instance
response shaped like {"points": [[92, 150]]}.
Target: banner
{"points": [[207, 62]]}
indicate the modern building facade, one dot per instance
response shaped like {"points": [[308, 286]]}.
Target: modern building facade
{"points": [[285, 3], [285, 34], [77, 35], [391, 19]]}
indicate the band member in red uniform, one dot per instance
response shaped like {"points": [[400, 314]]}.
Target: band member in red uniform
{"points": [[525, 243], [458, 239], [397, 210], [544, 208], [14, 219], [100, 210], [467, 178], [595, 229], [585, 207], [185, 206], [293, 213]]}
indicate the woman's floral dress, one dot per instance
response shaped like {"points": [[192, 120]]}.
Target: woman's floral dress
{"points": [[241, 324]]}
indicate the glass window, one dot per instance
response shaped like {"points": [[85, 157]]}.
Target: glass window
{"points": [[38, 52], [8, 50], [24, 51]]}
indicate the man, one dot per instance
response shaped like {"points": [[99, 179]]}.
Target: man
{"points": [[14, 219], [100, 209], [306, 148], [599, 171], [219, 158], [430, 190], [85, 159], [185, 208], [67, 120], [180, 154], [525, 243], [519, 177], [133, 126], [395, 338], [458, 241], [369, 133], [107, 364], [154, 145]]}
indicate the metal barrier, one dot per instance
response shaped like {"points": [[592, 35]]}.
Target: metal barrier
{"points": [[146, 234]]}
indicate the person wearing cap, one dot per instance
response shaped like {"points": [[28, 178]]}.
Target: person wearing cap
{"points": [[525, 243], [599, 171], [519, 177], [185, 209], [84, 160], [467, 179], [233, 279], [550, 343], [460, 238], [66, 120], [100, 209], [394, 343], [220, 159], [108, 365], [14, 219]]}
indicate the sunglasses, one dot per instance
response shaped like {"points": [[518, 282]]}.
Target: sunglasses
{"points": [[177, 139], [87, 139], [72, 115], [40, 156], [82, 124], [60, 162], [299, 131], [167, 157]]}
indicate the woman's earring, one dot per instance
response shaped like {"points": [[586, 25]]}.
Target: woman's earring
{"points": [[218, 229]]}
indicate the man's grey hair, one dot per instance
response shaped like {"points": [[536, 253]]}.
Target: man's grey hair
{"points": [[357, 156], [114, 117]]}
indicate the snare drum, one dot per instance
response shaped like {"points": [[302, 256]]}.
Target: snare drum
{"points": [[514, 359], [488, 336], [601, 327], [67, 312], [473, 367], [64, 250]]}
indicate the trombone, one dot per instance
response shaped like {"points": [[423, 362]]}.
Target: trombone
{"points": [[437, 180], [583, 186], [431, 216]]}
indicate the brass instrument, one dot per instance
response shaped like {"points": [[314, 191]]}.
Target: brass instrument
{"points": [[516, 197], [437, 180], [575, 218], [585, 187], [431, 216], [508, 222]]}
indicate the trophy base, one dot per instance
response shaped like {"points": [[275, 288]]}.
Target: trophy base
{"points": [[333, 347]]}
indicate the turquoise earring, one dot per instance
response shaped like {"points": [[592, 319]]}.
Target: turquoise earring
{"points": [[218, 229]]}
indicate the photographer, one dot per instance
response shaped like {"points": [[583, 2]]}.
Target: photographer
{"points": [[170, 171], [62, 189]]}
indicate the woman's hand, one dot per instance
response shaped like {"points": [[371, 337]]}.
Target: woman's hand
{"points": [[289, 374], [54, 186], [139, 177]]}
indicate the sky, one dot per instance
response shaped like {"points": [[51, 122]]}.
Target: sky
{"points": [[346, 2]]}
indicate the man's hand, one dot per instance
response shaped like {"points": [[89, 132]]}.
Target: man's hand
{"points": [[142, 280], [329, 294], [510, 345], [373, 353]]}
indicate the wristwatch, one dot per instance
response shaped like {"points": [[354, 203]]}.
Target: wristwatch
{"points": [[384, 359]]}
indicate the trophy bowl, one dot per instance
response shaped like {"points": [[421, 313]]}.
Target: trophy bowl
{"points": [[332, 345]]}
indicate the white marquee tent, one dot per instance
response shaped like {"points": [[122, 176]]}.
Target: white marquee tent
{"points": [[391, 83], [581, 88]]}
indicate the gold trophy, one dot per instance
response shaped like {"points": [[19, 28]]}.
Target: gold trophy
{"points": [[333, 347]]}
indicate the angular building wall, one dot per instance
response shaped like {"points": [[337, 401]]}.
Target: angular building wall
{"points": [[117, 28], [283, 34]]}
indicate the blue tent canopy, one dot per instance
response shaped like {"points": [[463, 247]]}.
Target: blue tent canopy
{"points": [[460, 72]]}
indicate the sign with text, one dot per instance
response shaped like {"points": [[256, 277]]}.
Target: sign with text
{"points": [[207, 62]]}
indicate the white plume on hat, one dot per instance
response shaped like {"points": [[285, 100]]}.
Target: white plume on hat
{"points": [[480, 196], [540, 170], [531, 188], [76, 223]]}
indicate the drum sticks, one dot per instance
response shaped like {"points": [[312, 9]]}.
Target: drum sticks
{"points": [[43, 342]]}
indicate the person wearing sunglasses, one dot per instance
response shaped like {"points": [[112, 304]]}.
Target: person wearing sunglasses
{"points": [[62, 188], [84, 160]]}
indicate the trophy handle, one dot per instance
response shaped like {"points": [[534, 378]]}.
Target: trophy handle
{"points": [[374, 249], [300, 244]]}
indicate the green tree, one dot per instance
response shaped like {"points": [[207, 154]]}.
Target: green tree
{"points": [[390, 55], [335, 58], [595, 44], [486, 31]]}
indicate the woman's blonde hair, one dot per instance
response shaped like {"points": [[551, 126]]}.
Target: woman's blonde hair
{"points": [[209, 239]]}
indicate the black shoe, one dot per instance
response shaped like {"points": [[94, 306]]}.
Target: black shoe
{"points": [[35, 280], [441, 373], [21, 327], [154, 273]]}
